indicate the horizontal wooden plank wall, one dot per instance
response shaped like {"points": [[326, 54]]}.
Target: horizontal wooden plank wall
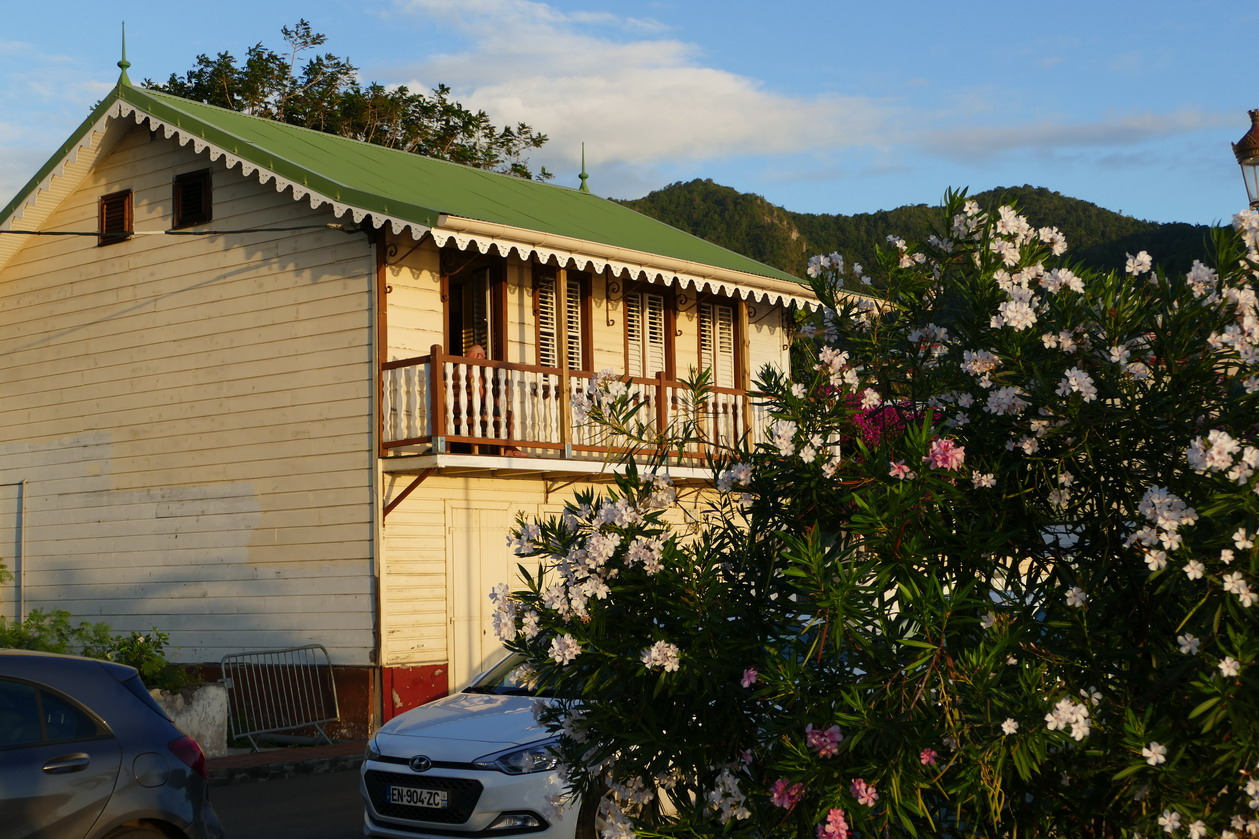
{"points": [[192, 415]]}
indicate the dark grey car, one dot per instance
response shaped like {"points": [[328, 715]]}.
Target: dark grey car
{"points": [[85, 753]]}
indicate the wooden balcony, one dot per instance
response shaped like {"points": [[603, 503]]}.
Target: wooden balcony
{"points": [[439, 404]]}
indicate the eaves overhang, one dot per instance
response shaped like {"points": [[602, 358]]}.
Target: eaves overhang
{"points": [[256, 156], [622, 262]]}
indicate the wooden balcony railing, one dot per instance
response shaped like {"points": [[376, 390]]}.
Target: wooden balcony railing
{"points": [[449, 403]]}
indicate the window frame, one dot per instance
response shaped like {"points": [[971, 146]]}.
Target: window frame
{"points": [[120, 200], [736, 338], [669, 326], [583, 281], [40, 691], [453, 281], [181, 216]]}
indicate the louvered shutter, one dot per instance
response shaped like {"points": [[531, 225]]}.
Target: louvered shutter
{"points": [[645, 333], [716, 342], [573, 326], [653, 338], [114, 218], [548, 323], [634, 334], [192, 199], [548, 347]]}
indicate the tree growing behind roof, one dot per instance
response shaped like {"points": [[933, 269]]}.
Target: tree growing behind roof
{"points": [[323, 92], [993, 580]]}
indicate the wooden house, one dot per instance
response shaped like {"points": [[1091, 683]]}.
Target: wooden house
{"points": [[262, 386]]}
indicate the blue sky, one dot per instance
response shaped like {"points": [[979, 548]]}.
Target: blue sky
{"points": [[822, 107]]}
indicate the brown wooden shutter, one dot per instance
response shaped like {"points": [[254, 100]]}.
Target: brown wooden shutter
{"points": [[114, 218], [191, 197]]}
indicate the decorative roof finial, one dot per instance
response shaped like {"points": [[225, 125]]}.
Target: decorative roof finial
{"points": [[583, 175], [123, 63]]}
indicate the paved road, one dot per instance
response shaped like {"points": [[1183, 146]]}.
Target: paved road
{"points": [[306, 807]]}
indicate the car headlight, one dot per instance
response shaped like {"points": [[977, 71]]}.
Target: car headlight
{"points": [[372, 752], [535, 757]]}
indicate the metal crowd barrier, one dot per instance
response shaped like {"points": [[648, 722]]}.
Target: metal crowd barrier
{"points": [[272, 691]]}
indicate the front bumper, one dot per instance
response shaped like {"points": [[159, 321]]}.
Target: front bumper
{"points": [[482, 803]]}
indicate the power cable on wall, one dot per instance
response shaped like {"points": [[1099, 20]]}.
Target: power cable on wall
{"points": [[342, 227]]}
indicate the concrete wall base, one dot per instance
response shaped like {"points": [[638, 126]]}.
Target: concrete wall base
{"points": [[200, 712]]}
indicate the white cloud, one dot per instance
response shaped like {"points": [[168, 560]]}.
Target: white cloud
{"points": [[645, 102], [634, 97], [981, 141]]}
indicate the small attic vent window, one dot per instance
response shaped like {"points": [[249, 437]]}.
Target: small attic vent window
{"points": [[191, 197], [114, 218]]}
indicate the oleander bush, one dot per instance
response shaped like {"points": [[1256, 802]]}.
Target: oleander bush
{"points": [[991, 571]]}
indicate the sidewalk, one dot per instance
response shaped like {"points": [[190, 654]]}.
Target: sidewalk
{"points": [[270, 764]]}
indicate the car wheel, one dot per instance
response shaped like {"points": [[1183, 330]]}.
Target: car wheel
{"points": [[137, 832]]}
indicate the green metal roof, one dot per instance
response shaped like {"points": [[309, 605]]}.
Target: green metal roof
{"points": [[409, 187]]}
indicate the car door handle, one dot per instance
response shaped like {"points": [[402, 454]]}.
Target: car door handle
{"points": [[67, 763]]}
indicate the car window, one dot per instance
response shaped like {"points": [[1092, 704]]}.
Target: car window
{"points": [[65, 721], [30, 715], [501, 678], [19, 714]]}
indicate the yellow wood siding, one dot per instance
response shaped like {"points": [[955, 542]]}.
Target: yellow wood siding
{"points": [[425, 585], [192, 415], [432, 577], [768, 335], [413, 298]]}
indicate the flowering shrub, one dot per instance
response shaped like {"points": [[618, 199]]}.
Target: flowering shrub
{"points": [[1030, 611]]}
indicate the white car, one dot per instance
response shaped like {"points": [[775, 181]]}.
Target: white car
{"points": [[476, 763]]}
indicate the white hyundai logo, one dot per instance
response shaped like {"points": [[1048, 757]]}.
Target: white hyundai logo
{"points": [[421, 763]]}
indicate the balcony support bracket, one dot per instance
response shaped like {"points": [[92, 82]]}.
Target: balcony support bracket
{"points": [[411, 487], [551, 486]]}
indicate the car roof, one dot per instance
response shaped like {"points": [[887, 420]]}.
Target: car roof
{"points": [[36, 664]]}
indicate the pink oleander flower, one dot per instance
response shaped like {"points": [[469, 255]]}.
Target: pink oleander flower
{"points": [[823, 741], [945, 454], [784, 794], [864, 793], [900, 471], [835, 826], [928, 757], [749, 677]]}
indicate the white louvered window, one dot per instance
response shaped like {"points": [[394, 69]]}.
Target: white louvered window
{"points": [[644, 333], [549, 315], [574, 330], [548, 322], [716, 342]]}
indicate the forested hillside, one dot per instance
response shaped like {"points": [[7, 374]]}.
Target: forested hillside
{"points": [[751, 225]]}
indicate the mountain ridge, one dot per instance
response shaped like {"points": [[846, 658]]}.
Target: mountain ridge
{"points": [[749, 224]]}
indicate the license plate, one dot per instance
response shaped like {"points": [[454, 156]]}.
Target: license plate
{"points": [[436, 799]]}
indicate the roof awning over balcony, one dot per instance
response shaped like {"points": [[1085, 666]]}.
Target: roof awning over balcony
{"points": [[625, 263]]}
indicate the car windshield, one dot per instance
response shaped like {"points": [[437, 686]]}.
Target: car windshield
{"points": [[500, 679]]}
